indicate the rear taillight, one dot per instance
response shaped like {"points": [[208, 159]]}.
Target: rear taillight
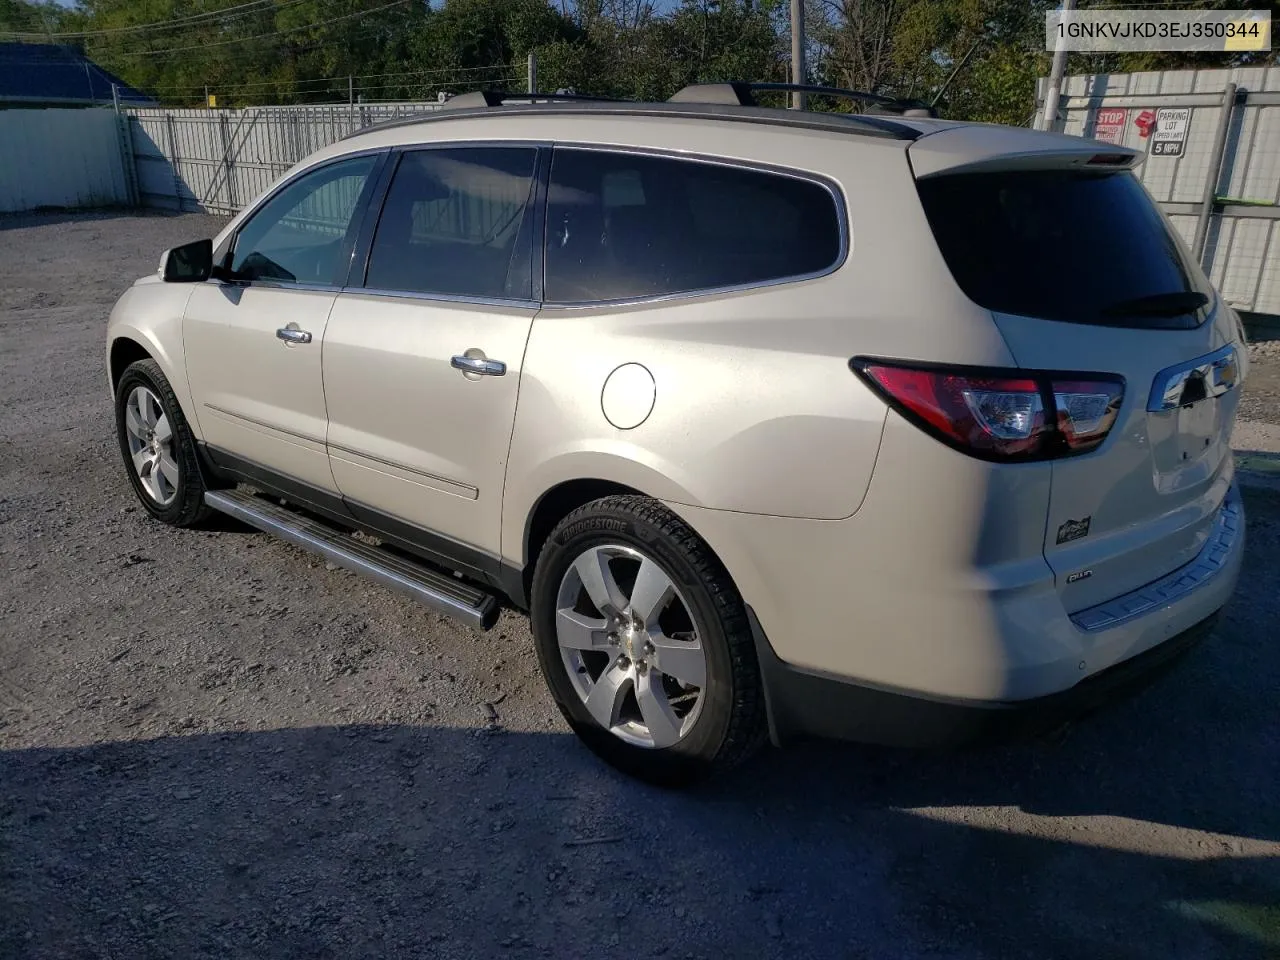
{"points": [[1000, 414], [1086, 410]]}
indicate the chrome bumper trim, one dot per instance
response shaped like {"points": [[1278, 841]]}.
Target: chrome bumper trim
{"points": [[1228, 527]]}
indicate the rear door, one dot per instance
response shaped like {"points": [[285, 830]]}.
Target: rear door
{"points": [[1082, 273], [423, 352]]}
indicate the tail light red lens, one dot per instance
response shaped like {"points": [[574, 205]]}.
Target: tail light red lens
{"points": [[1000, 414]]}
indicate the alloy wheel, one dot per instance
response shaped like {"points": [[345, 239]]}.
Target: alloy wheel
{"points": [[150, 437], [629, 642]]}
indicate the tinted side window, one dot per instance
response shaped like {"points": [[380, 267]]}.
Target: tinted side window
{"points": [[457, 222], [1059, 245], [622, 225], [299, 234]]}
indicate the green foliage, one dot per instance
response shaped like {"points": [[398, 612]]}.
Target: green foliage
{"points": [[979, 59]]}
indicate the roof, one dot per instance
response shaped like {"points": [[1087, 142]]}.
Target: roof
{"points": [[45, 73], [889, 127], [935, 146], [886, 117]]}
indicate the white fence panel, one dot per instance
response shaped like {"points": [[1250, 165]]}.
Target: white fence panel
{"points": [[218, 161], [1241, 232], [60, 157]]}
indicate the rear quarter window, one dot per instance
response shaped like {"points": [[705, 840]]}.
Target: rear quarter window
{"points": [[627, 226], [1060, 245]]}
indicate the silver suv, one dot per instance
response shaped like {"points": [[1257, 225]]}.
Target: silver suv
{"points": [[778, 423]]}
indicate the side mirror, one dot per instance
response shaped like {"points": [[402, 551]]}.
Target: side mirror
{"points": [[189, 263]]}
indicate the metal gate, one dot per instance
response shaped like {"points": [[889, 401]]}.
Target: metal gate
{"points": [[1219, 181], [217, 161]]}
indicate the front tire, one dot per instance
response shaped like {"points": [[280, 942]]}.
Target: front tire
{"points": [[157, 446], [645, 644]]}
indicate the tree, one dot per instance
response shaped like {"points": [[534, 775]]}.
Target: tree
{"points": [[34, 20], [978, 59]]}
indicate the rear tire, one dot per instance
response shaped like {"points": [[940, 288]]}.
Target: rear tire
{"points": [[622, 647], [158, 448]]}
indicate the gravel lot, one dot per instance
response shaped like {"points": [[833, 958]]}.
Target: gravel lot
{"points": [[211, 745]]}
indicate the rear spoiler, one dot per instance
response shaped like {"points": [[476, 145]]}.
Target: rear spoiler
{"points": [[975, 148]]}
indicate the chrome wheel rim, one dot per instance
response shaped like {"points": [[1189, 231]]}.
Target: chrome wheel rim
{"points": [[150, 437], [630, 645]]}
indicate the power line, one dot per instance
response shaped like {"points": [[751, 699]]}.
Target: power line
{"points": [[343, 78], [363, 91], [191, 20], [1206, 6], [260, 36]]}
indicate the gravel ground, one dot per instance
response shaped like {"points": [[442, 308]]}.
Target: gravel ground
{"points": [[1262, 400], [211, 745]]}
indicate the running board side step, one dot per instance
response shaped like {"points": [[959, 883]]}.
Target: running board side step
{"points": [[437, 590]]}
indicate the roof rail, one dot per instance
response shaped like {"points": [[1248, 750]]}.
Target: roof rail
{"points": [[480, 103], [743, 95], [495, 98]]}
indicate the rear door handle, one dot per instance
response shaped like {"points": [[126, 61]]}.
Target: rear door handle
{"points": [[291, 334], [479, 366]]}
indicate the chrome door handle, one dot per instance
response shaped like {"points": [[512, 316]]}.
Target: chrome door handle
{"points": [[291, 334], [479, 366]]}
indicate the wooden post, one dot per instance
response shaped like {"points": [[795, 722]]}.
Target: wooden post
{"points": [[798, 100]]}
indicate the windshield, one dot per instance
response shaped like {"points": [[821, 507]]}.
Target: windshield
{"points": [[1064, 245]]}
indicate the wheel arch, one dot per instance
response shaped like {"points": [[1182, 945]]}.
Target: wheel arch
{"points": [[561, 499], [129, 345], [125, 351], [550, 507]]}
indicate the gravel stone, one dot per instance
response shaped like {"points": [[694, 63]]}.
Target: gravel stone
{"points": [[321, 732]]}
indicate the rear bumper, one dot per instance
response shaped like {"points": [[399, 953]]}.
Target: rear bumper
{"points": [[803, 703], [937, 589], [1136, 634], [1220, 555]]}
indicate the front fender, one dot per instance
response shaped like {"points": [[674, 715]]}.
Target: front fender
{"points": [[150, 314]]}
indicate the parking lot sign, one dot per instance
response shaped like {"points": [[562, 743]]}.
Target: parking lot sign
{"points": [[1170, 136]]}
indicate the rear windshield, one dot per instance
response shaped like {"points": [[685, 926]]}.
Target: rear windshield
{"points": [[1063, 245]]}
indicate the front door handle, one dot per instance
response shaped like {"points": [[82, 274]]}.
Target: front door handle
{"points": [[292, 334], [472, 367]]}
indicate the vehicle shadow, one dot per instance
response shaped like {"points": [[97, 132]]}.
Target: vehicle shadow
{"points": [[1148, 831], [1199, 748], [1259, 468], [367, 841]]}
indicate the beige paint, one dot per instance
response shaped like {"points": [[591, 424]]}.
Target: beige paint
{"points": [[867, 549], [933, 586], [410, 435], [149, 314], [255, 395]]}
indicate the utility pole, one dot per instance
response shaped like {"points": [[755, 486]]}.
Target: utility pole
{"points": [[797, 52], [1053, 94], [533, 73], [351, 90]]}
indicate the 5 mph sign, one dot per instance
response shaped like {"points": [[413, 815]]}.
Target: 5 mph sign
{"points": [[1170, 135]]}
